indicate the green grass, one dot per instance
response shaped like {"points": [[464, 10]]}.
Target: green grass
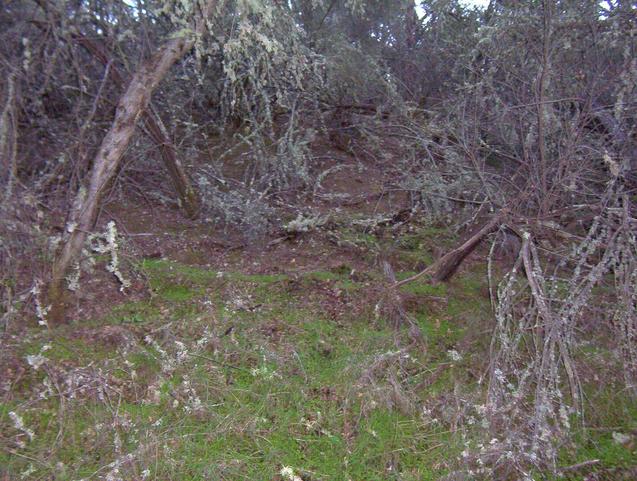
{"points": [[280, 384], [421, 287], [614, 413], [134, 313], [160, 269], [261, 279], [326, 276], [176, 293], [279, 405]]}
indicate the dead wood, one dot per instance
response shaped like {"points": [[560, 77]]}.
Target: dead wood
{"points": [[447, 265]]}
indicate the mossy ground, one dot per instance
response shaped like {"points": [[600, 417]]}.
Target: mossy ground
{"points": [[233, 375]]}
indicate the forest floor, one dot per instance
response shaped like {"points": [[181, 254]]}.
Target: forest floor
{"points": [[224, 362]]}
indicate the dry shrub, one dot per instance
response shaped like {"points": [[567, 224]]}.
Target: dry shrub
{"points": [[535, 392]]}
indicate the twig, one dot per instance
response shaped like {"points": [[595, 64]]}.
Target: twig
{"points": [[583, 464]]}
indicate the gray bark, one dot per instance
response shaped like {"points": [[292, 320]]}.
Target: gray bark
{"points": [[130, 107], [188, 198]]}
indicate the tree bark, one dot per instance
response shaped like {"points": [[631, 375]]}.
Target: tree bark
{"points": [[8, 138], [188, 198], [446, 266], [130, 107]]}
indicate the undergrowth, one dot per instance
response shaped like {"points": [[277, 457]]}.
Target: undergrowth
{"points": [[239, 375]]}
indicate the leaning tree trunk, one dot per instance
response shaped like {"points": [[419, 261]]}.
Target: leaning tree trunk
{"points": [[130, 108], [188, 199]]}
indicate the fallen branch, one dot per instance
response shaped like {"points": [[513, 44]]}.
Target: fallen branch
{"points": [[446, 266], [552, 326]]}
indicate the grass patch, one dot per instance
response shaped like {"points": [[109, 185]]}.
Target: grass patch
{"points": [[421, 287], [176, 293], [279, 382], [159, 269], [140, 312]]}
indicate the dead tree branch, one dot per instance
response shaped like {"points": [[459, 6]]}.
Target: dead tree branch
{"points": [[446, 266]]}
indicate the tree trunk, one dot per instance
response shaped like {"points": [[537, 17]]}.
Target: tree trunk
{"points": [[8, 138], [188, 198], [449, 263], [130, 108]]}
